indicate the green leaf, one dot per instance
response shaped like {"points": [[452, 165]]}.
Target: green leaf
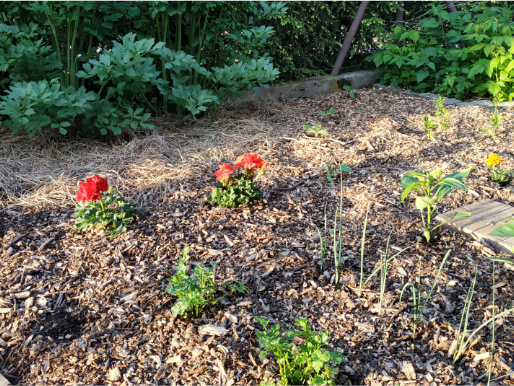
{"points": [[454, 183], [424, 202], [506, 230], [460, 214], [413, 186], [344, 168], [422, 74], [501, 260]]}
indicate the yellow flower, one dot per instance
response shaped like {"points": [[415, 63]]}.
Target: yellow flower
{"points": [[493, 160]]}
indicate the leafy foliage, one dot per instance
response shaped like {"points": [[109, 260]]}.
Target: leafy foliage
{"points": [[112, 212], [315, 131], [240, 191], [432, 189], [304, 363], [454, 54], [195, 291]]}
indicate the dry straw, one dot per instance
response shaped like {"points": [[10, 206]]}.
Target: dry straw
{"points": [[44, 171]]}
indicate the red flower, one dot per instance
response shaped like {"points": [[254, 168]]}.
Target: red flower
{"points": [[250, 161], [224, 173], [99, 182], [88, 191]]}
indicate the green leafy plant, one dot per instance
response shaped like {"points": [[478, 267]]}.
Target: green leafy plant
{"points": [[315, 131], [416, 295], [459, 54], [103, 207], [429, 126], [442, 112], [432, 188], [234, 190], [328, 112], [496, 120], [351, 91], [303, 363], [197, 290]]}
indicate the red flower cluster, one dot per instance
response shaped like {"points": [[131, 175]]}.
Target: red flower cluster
{"points": [[90, 190], [250, 161], [224, 173]]}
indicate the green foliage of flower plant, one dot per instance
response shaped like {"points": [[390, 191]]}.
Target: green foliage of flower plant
{"points": [[416, 295], [442, 113], [500, 176], [463, 53], [431, 189], [232, 189], [299, 354], [103, 207], [429, 126], [196, 290], [496, 120], [315, 131]]}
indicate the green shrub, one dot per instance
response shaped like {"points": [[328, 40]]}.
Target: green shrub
{"points": [[463, 53]]}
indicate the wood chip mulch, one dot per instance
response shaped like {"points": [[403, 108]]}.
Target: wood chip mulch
{"points": [[91, 309]]}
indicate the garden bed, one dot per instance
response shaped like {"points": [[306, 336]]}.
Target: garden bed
{"points": [[87, 308]]}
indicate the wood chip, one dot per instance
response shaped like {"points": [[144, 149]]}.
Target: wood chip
{"points": [[211, 329]]}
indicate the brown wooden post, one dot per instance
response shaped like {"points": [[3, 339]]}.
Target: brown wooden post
{"points": [[451, 6], [349, 38]]}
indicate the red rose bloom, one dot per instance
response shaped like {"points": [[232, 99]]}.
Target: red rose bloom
{"points": [[99, 182], [250, 161], [88, 192], [224, 173]]}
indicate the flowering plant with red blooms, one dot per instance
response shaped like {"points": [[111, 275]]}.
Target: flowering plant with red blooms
{"points": [[102, 207], [236, 189]]}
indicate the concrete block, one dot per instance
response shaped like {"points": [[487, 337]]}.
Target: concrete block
{"points": [[486, 216], [357, 79]]}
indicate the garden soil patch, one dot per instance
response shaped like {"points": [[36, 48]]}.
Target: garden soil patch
{"points": [[92, 309]]}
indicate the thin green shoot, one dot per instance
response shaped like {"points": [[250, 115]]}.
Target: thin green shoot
{"points": [[338, 235], [383, 259], [363, 241], [383, 271], [492, 341], [323, 239], [442, 112], [461, 335], [429, 126], [416, 295]]}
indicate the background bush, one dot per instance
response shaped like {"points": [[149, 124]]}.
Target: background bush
{"points": [[461, 54]]}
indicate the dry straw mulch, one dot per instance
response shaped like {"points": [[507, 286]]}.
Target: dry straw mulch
{"points": [[85, 308]]}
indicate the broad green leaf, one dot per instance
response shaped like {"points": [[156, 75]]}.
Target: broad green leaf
{"points": [[454, 183], [461, 214], [506, 230], [409, 188], [422, 74], [344, 168], [424, 202]]}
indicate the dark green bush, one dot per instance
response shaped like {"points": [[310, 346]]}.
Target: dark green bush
{"points": [[459, 54]]}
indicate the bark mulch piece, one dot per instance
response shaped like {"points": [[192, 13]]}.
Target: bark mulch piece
{"points": [[91, 309]]}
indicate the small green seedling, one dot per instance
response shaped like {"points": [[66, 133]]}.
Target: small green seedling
{"points": [[442, 112], [306, 363], [328, 112], [432, 189], [315, 131], [198, 290], [351, 91], [429, 126], [496, 120], [331, 171]]}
